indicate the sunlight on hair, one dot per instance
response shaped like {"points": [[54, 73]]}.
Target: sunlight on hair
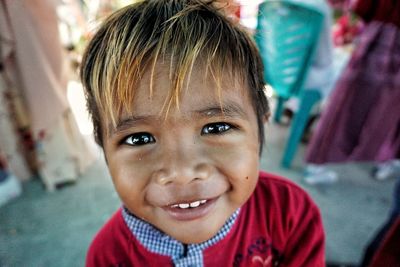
{"points": [[269, 91], [177, 34]]}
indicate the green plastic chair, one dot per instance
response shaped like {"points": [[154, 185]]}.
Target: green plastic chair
{"points": [[287, 35]]}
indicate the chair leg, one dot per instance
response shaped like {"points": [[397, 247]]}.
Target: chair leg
{"points": [[279, 109], [307, 100]]}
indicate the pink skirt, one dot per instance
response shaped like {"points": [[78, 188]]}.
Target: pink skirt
{"points": [[362, 119]]}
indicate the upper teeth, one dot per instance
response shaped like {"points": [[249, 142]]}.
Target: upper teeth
{"points": [[191, 205]]}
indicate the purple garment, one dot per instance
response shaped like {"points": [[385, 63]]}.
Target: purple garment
{"points": [[362, 119], [378, 10]]}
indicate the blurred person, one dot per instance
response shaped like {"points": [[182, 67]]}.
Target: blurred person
{"points": [[10, 186], [33, 62], [384, 249], [324, 66], [362, 119]]}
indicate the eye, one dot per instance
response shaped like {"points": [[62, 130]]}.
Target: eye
{"points": [[216, 128], [139, 139]]}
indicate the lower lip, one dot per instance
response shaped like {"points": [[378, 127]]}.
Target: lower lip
{"points": [[190, 214]]}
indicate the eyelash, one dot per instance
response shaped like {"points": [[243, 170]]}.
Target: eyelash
{"points": [[139, 139], [144, 138], [219, 127]]}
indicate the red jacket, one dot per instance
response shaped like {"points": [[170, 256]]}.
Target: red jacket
{"points": [[278, 226]]}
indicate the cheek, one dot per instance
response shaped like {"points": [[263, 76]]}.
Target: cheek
{"points": [[243, 177], [130, 179], [240, 163], [241, 153], [244, 172]]}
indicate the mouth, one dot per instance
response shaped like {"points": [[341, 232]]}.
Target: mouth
{"points": [[190, 205], [186, 211]]}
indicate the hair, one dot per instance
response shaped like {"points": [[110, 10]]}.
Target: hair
{"points": [[182, 32]]}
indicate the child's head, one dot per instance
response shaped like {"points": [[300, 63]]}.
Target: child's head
{"points": [[175, 91]]}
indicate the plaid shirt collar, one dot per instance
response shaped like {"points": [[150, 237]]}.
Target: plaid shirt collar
{"points": [[158, 242]]}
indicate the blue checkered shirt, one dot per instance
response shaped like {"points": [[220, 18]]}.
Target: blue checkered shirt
{"points": [[158, 242]]}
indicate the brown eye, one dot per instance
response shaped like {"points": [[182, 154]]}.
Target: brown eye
{"points": [[216, 128], [139, 139]]}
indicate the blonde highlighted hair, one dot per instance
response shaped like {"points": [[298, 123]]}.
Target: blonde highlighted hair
{"points": [[182, 33]]}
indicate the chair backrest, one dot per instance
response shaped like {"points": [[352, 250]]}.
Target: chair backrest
{"points": [[287, 34]]}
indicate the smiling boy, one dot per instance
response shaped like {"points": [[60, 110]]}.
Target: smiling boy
{"points": [[175, 91]]}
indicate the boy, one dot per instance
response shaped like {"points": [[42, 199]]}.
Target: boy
{"points": [[175, 91]]}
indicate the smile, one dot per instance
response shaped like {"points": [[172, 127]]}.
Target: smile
{"points": [[194, 204]]}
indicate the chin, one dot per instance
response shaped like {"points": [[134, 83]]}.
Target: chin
{"points": [[194, 239], [186, 236]]}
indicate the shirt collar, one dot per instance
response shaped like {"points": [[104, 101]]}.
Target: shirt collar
{"points": [[158, 242]]}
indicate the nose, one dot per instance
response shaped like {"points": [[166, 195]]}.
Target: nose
{"points": [[181, 164]]}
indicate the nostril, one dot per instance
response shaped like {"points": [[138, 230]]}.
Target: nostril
{"points": [[164, 181], [163, 177], [196, 179], [181, 174]]}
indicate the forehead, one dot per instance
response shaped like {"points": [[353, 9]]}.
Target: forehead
{"points": [[155, 94]]}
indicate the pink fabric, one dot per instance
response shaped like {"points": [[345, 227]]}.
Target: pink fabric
{"points": [[33, 98], [39, 58]]}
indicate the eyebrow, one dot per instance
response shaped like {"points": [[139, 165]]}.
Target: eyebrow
{"points": [[226, 110], [230, 110], [128, 122]]}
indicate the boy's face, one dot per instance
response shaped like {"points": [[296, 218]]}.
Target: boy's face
{"points": [[188, 172]]}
